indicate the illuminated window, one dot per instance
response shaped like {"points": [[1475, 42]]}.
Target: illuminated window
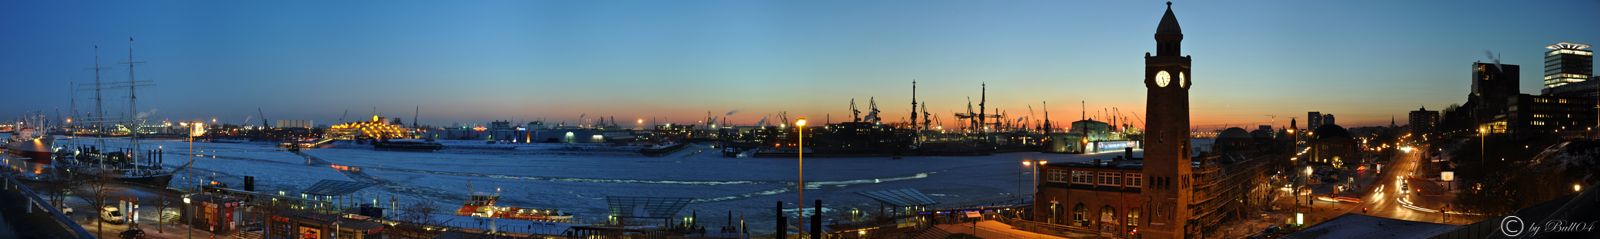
{"points": [[1133, 217], [1536, 123]]}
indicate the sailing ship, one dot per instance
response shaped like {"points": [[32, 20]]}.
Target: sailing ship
{"points": [[124, 161]]}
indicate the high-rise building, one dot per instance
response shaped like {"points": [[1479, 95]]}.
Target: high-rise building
{"points": [[1492, 84], [1424, 121], [1313, 119], [1567, 63], [1327, 119]]}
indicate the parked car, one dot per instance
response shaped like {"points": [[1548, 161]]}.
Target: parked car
{"points": [[133, 233], [112, 215]]}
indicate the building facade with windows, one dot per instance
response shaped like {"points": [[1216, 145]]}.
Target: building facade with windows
{"points": [[1103, 197], [1424, 121], [1531, 115]]}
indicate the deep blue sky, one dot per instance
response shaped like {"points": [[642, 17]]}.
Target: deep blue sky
{"points": [[479, 61]]}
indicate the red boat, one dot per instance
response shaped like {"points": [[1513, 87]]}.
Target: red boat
{"points": [[483, 205]]}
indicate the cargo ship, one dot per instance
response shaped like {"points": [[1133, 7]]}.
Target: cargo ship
{"points": [[31, 142]]}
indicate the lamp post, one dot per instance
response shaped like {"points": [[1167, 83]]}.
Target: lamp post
{"points": [[1308, 183], [800, 126], [1483, 142], [188, 220], [1019, 180]]}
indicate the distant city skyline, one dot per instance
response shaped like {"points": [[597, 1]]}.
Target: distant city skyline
{"points": [[1363, 62]]}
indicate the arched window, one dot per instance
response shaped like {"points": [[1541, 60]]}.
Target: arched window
{"points": [[1108, 219], [1079, 217], [1133, 217], [1133, 220]]}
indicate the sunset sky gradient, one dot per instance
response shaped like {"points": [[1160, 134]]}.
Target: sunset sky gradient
{"points": [[477, 61]]}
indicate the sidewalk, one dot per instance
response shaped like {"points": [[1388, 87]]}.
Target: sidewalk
{"points": [[172, 231]]}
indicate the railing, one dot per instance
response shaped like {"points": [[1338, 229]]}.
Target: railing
{"points": [[14, 187], [990, 233], [1045, 228]]}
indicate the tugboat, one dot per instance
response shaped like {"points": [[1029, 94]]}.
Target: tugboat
{"points": [[483, 205]]}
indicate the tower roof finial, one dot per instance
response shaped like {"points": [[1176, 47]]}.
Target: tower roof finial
{"points": [[1169, 23]]}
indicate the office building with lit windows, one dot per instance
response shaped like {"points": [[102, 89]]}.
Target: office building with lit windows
{"points": [[1530, 115], [1567, 63]]}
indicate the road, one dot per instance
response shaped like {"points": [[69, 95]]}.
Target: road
{"points": [[1405, 191], [1382, 193]]}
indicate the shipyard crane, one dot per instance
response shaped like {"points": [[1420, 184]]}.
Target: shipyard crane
{"points": [[1274, 119], [855, 111], [872, 105], [263, 118], [1030, 115], [925, 115], [1141, 120]]}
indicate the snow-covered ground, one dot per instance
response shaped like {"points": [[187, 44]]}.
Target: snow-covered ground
{"points": [[579, 181]]}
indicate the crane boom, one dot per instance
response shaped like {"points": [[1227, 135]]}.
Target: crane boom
{"points": [[263, 118]]}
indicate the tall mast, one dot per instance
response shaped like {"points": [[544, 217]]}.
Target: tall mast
{"points": [[133, 103], [99, 113], [133, 99]]}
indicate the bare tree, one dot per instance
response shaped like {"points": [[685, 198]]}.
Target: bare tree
{"points": [[97, 189], [55, 186], [164, 200], [416, 217]]}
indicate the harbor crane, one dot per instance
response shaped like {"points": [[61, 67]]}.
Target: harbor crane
{"points": [[855, 111], [263, 118]]}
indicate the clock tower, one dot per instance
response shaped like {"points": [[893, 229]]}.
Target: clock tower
{"points": [[1167, 193]]}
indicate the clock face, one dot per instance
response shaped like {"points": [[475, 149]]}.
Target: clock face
{"points": [[1162, 78], [1181, 81]]}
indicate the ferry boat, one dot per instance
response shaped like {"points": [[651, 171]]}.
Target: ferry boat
{"points": [[483, 205]]}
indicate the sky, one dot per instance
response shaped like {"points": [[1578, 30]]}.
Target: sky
{"points": [[677, 61]]}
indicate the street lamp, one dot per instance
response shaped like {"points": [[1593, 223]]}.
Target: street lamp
{"points": [[188, 220], [1308, 183], [801, 153], [1483, 142]]}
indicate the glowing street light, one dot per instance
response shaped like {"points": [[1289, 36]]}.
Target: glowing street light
{"points": [[801, 153]]}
